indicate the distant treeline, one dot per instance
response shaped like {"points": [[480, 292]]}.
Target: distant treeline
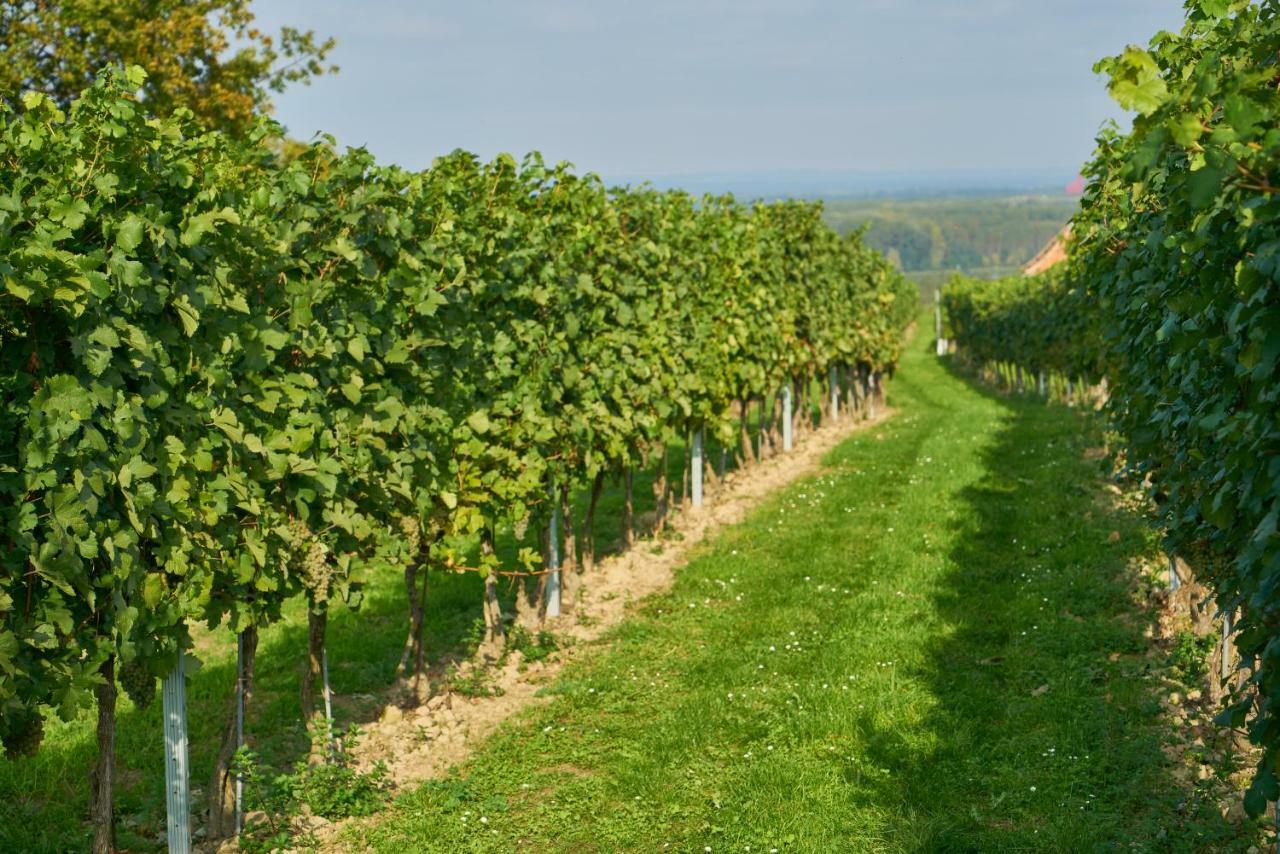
{"points": [[969, 234]]}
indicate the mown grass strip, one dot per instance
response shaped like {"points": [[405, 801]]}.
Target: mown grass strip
{"points": [[933, 645]]}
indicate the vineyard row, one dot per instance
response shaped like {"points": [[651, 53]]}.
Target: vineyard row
{"points": [[1172, 295], [238, 370]]}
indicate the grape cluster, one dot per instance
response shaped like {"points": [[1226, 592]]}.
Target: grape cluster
{"points": [[23, 734], [316, 571], [412, 533], [297, 534], [138, 683], [313, 556]]}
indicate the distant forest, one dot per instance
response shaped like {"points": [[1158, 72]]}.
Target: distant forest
{"points": [[994, 234]]}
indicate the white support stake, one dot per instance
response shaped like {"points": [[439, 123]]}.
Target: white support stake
{"points": [[937, 323], [1041, 383], [553, 558], [1228, 626], [786, 417], [695, 476], [239, 814], [177, 792], [835, 395], [1174, 581], [328, 698], [324, 667]]}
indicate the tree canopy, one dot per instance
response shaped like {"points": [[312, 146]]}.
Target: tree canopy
{"points": [[203, 55]]}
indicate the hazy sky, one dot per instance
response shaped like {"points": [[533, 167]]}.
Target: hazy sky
{"points": [[669, 87]]}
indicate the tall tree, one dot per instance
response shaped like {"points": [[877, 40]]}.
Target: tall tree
{"points": [[204, 55]]}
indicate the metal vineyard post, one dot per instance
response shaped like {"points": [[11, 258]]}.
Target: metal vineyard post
{"points": [[835, 394], [239, 812], [786, 417], [937, 323], [695, 474], [177, 793], [553, 558]]}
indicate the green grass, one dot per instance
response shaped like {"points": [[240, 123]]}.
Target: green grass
{"points": [[931, 646]]}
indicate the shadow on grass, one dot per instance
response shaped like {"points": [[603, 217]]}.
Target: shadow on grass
{"points": [[1046, 733]]}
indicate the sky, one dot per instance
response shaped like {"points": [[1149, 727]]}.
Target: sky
{"points": [[731, 88]]}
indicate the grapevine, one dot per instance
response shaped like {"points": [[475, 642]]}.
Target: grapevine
{"points": [[1170, 294], [228, 378]]}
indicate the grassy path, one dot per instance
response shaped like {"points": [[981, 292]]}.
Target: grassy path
{"points": [[932, 646]]}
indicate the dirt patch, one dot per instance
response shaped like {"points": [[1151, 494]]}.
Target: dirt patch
{"points": [[422, 743], [1198, 747], [571, 770]]}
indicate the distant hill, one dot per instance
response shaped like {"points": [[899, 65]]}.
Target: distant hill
{"points": [[990, 235], [864, 185]]}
